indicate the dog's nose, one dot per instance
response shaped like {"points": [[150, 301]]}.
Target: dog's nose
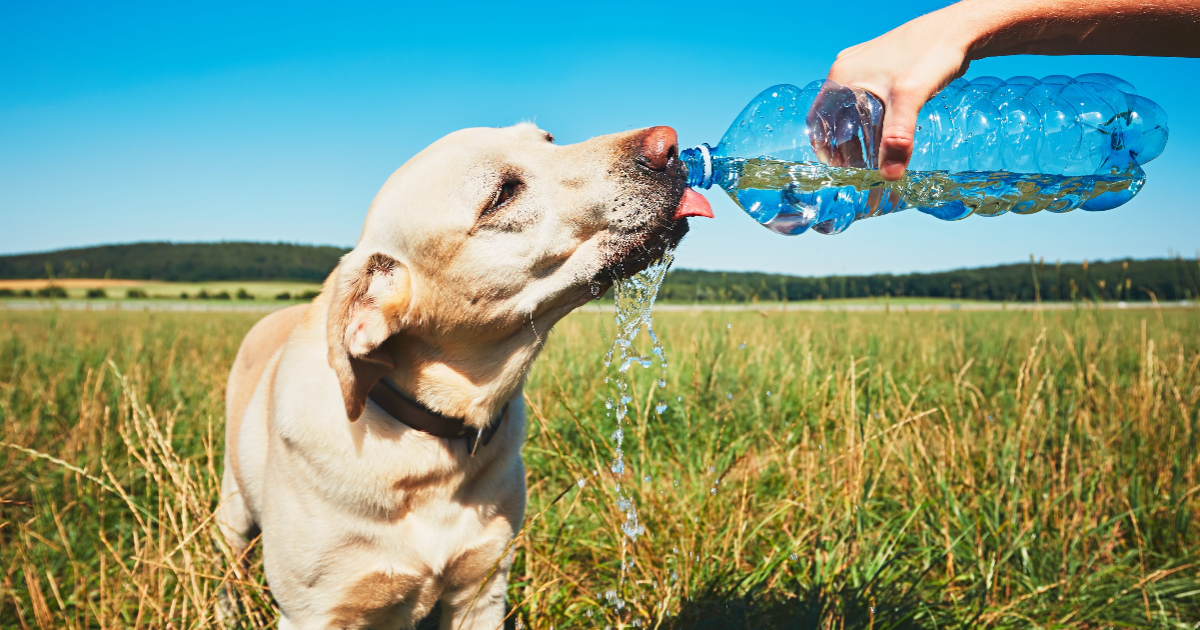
{"points": [[659, 145]]}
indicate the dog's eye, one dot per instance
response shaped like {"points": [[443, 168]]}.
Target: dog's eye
{"points": [[507, 191]]}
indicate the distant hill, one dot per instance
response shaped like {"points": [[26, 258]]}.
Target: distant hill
{"points": [[1127, 280], [1166, 279], [179, 262]]}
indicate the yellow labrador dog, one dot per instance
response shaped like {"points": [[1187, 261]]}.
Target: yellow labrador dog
{"points": [[373, 437]]}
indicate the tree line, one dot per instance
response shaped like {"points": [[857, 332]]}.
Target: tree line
{"points": [[1129, 280], [179, 262]]}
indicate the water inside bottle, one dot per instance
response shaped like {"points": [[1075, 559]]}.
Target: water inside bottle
{"points": [[791, 197]]}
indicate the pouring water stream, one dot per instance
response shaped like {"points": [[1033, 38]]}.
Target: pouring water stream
{"points": [[634, 300]]}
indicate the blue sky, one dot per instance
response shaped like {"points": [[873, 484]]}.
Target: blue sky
{"points": [[250, 121]]}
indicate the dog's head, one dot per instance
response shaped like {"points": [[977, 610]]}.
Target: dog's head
{"points": [[480, 243]]}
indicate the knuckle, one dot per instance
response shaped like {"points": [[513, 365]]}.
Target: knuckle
{"points": [[898, 136], [908, 87]]}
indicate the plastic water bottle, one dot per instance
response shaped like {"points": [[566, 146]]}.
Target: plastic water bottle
{"points": [[797, 158]]}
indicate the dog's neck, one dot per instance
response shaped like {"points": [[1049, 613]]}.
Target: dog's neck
{"points": [[471, 383]]}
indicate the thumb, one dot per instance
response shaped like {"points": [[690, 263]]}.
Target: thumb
{"points": [[899, 128]]}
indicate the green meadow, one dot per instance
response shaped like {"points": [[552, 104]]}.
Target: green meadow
{"points": [[811, 470]]}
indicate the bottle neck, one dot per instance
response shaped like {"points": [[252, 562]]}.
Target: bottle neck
{"points": [[700, 166]]}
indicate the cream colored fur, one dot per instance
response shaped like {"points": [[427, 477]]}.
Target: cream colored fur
{"points": [[366, 523]]}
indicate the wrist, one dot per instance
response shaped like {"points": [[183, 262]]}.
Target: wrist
{"points": [[980, 27], [965, 25]]}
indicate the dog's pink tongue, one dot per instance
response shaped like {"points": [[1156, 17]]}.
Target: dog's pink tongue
{"points": [[693, 204]]}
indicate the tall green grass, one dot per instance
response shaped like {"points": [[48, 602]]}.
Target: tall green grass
{"points": [[920, 470]]}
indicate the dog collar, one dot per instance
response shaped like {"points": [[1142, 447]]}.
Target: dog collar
{"points": [[411, 413]]}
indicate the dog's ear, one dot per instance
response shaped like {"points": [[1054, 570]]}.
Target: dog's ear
{"points": [[369, 305]]}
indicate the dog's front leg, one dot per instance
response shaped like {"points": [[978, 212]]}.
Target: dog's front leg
{"points": [[475, 608]]}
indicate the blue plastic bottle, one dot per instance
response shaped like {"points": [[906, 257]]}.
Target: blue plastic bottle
{"points": [[985, 146]]}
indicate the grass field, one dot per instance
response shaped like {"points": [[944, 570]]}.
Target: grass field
{"points": [[923, 470]]}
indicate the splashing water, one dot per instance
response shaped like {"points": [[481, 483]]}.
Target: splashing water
{"points": [[634, 300]]}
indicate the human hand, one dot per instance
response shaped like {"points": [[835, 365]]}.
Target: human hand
{"points": [[905, 67]]}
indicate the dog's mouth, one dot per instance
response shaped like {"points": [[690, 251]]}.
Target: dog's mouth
{"points": [[632, 251]]}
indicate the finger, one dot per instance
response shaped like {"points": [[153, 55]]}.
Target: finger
{"points": [[818, 128], [899, 129]]}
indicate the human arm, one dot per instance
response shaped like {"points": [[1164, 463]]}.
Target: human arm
{"points": [[906, 66]]}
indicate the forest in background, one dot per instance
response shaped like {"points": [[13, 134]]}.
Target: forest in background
{"points": [[178, 262], [1129, 280]]}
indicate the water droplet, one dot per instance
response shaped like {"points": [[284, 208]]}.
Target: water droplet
{"points": [[662, 382], [729, 325], [768, 393], [714, 490], [711, 470], [660, 407], [646, 478], [676, 483], [608, 404], [679, 399], [742, 346], [793, 557], [729, 396], [581, 482]]}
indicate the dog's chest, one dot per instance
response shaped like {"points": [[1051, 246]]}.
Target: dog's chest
{"points": [[398, 571]]}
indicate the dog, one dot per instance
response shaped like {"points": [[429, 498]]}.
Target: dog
{"points": [[373, 436]]}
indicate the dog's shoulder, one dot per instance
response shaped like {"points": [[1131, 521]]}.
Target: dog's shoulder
{"points": [[259, 345]]}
